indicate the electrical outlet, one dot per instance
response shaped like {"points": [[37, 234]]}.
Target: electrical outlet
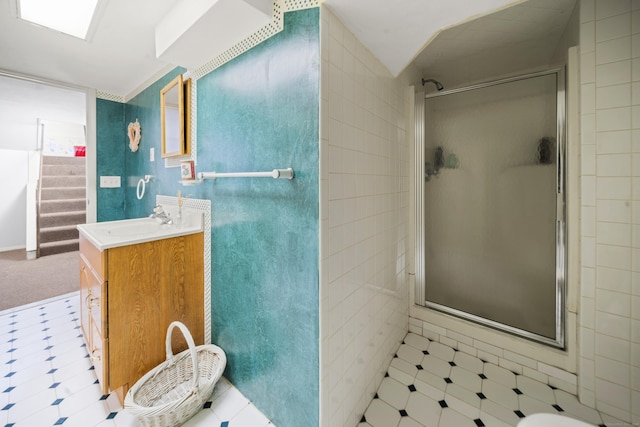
{"points": [[109, 182]]}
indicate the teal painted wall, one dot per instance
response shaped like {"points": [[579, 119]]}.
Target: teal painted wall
{"points": [[110, 154], [114, 157], [257, 112], [145, 107]]}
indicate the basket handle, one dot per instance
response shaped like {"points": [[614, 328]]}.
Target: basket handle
{"points": [[192, 348]]}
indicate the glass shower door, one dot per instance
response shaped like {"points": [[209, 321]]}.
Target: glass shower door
{"points": [[491, 220]]}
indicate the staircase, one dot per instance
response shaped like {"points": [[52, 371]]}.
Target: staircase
{"points": [[62, 204]]}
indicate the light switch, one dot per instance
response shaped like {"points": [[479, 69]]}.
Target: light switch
{"points": [[152, 154], [109, 182]]}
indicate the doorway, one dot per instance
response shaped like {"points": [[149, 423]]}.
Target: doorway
{"points": [[23, 101]]}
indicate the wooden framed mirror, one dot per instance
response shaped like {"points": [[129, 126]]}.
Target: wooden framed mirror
{"points": [[175, 100], [186, 89]]}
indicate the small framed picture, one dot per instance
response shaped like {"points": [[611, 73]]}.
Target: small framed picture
{"points": [[187, 170]]}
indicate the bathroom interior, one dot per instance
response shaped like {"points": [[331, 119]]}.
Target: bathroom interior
{"points": [[317, 287]]}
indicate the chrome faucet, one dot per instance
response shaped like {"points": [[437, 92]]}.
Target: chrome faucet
{"points": [[161, 216]]}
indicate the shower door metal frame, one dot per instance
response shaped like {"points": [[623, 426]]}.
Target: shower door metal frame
{"points": [[561, 227]]}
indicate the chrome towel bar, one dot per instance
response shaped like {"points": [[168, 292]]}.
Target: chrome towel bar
{"points": [[276, 174]]}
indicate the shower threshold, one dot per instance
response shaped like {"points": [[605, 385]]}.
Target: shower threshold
{"points": [[497, 325]]}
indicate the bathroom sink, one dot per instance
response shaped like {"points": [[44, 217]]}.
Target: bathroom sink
{"points": [[110, 234], [118, 228]]}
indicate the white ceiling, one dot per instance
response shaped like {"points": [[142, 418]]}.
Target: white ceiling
{"points": [[528, 36], [396, 31], [119, 57]]}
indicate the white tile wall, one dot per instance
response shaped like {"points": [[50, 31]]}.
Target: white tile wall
{"points": [[614, 142], [618, 72], [364, 197], [609, 350]]}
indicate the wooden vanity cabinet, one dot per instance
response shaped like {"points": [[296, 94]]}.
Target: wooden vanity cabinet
{"points": [[128, 297]]}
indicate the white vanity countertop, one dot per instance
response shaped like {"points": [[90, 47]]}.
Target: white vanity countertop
{"points": [[111, 234]]}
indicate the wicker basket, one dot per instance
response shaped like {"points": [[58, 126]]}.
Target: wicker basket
{"points": [[172, 392]]}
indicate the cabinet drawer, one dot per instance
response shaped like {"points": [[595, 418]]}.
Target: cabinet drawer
{"points": [[95, 258]]}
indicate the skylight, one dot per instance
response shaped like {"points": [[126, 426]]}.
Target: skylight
{"points": [[68, 16]]}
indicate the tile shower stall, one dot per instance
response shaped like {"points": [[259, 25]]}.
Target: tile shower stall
{"points": [[493, 193]]}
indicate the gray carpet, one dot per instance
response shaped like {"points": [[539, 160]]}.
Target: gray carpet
{"points": [[24, 281]]}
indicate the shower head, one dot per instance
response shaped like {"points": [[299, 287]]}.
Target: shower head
{"points": [[437, 83]]}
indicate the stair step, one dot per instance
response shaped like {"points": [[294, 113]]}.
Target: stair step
{"points": [[62, 181], [54, 234], [57, 193], [62, 205], [62, 160], [59, 219], [56, 170], [59, 247]]}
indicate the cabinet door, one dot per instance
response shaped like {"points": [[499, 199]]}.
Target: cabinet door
{"points": [[85, 288], [99, 356], [93, 298], [150, 285], [96, 303], [93, 310]]}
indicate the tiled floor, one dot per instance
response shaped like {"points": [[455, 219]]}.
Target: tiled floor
{"points": [[432, 385], [46, 378]]}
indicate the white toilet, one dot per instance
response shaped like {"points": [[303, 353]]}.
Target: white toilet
{"points": [[551, 420]]}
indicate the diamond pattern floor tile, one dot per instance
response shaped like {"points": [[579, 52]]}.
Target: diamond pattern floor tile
{"points": [[436, 366], [469, 362], [467, 379], [500, 375], [47, 378], [381, 414], [410, 354], [414, 340], [402, 371], [441, 351], [452, 388], [536, 389]]}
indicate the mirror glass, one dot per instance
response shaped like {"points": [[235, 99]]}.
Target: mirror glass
{"points": [[172, 118]]}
